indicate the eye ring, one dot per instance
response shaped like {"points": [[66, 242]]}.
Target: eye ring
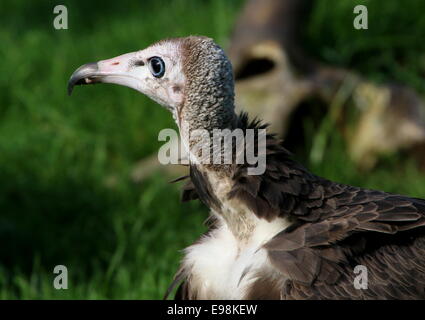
{"points": [[156, 67]]}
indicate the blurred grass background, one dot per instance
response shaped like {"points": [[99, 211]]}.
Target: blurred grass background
{"points": [[66, 196]]}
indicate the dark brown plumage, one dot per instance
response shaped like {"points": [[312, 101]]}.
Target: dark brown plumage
{"points": [[284, 234], [336, 228]]}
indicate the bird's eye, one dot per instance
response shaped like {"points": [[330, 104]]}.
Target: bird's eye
{"points": [[157, 67]]}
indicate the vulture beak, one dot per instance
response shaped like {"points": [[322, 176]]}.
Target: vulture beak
{"points": [[118, 70], [85, 74]]}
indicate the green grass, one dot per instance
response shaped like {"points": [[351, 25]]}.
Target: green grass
{"points": [[66, 196]]}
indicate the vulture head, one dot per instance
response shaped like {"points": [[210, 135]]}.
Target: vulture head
{"points": [[190, 76]]}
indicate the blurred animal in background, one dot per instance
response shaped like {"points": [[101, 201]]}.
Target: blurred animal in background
{"points": [[275, 77], [277, 81]]}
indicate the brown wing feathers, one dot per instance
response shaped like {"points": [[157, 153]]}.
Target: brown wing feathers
{"points": [[338, 227]]}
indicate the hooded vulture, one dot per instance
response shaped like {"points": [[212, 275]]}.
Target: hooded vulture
{"points": [[282, 234]]}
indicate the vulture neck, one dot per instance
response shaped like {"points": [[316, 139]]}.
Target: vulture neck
{"points": [[208, 102], [212, 181], [203, 116]]}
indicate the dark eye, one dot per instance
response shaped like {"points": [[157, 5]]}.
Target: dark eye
{"points": [[157, 67]]}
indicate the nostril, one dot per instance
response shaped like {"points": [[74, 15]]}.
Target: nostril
{"points": [[138, 63], [115, 63]]}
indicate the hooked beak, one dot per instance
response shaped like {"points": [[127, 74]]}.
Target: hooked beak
{"points": [[118, 70], [85, 74]]}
